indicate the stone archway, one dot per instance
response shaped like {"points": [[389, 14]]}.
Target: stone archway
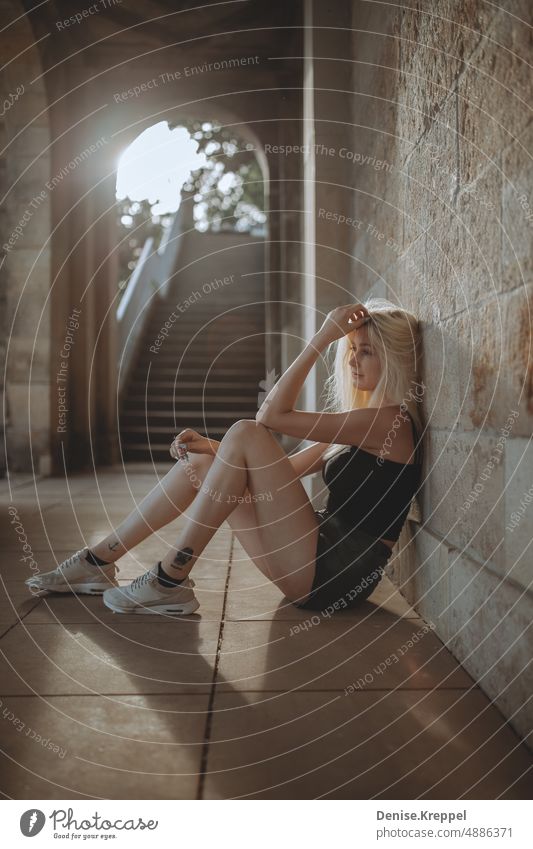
{"points": [[223, 331], [86, 76]]}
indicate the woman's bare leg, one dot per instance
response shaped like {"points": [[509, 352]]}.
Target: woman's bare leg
{"points": [[249, 458], [170, 497]]}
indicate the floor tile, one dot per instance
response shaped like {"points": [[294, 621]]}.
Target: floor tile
{"points": [[69, 609], [253, 596], [122, 657], [334, 654], [132, 747], [16, 602], [444, 744]]}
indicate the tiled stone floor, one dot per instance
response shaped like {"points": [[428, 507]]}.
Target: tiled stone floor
{"points": [[232, 701]]}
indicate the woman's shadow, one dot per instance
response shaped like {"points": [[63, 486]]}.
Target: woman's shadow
{"points": [[234, 698]]}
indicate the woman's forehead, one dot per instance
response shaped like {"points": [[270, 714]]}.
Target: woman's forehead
{"points": [[359, 336]]}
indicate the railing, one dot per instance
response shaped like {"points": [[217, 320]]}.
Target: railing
{"points": [[150, 279]]}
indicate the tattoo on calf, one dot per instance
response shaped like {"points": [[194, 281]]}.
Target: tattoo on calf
{"points": [[113, 546], [181, 557]]}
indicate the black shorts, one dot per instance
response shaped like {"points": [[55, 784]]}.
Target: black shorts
{"points": [[349, 565]]}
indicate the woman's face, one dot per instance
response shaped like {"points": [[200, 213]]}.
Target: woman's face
{"points": [[364, 363]]}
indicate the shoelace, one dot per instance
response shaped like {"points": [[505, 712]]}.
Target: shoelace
{"points": [[142, 579], [70, 560]]}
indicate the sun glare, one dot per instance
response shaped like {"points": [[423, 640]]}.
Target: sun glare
{"points": [[157, 165]]}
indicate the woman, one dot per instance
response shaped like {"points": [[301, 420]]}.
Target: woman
{"points": [[368, 452]]}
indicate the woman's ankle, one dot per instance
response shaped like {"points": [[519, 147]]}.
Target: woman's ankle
{"points": [[95, 560], [109, 553]]}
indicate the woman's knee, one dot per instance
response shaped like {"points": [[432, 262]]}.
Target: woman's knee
{"points": [[245, 428], [195, 469]]}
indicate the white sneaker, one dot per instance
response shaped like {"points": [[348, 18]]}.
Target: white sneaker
{"points": [[76, 575], [146, 595]]}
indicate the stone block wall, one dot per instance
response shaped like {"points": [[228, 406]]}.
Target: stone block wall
{"points": [[423, 140], [441, 111]]}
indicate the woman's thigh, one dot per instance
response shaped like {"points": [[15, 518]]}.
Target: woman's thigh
{"points": [[278, 527], [271, 558], [243, 522], [276, 523]]}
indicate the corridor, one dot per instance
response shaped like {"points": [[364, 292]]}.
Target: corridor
{"points": [[188, 190], [247, 698]]}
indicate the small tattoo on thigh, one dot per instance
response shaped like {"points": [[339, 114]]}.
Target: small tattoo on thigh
{"points": [[113, 546], [181, 557]]}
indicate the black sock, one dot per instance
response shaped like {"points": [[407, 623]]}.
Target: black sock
{"points": [[165, 580], [96, 561]]}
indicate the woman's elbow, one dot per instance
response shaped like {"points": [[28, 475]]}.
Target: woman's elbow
{"points": [[263, 417]]}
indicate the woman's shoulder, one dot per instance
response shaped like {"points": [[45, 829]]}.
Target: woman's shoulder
{"points": [[395, 435]]}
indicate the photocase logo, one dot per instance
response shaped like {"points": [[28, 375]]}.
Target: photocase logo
{"points": [[32, 822], [266, 386]]}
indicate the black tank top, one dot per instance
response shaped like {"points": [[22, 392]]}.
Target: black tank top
{"points": [[374, 496]]}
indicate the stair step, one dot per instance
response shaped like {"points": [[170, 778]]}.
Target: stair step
{"points": [[157, 450], [188, 399], [163, 441], [212, 323], [220, 311], [139, 385], [166, 434], [204, 348], [216, 361], [143, 412], [252, 295], [244, 334], [168, 420], [249, 307], [216, 420], [211, 370], [212, 374], [221, 355], [252, 300], [195, 419], [217, 314], [179, 412]]}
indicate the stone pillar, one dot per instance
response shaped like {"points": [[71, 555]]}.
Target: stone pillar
{"points": [[103, 386], [25, 259], [84, 432]]}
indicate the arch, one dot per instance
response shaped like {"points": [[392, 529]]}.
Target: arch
{"points": [[203, 110]]}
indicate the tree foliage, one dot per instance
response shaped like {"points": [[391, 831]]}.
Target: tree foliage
{"points": [[228, 195], [229, 191]]}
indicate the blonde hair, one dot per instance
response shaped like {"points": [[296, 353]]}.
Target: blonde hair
{"points": [[394, 334]]}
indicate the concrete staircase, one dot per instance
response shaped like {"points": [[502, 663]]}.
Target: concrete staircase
{"points": [[205, 374]]}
